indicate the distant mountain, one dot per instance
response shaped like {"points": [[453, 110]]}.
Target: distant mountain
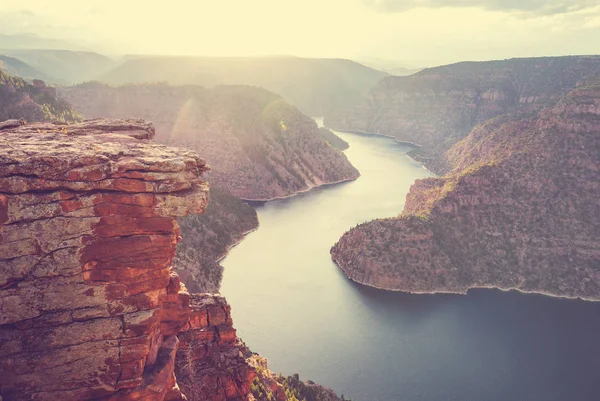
{"points": [[30, 41], [393, 67], [439, 106], [64, 66], [32, 102], [312, 85], [402, 71], [18, 68]]}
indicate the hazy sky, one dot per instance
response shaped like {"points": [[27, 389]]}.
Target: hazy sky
{"points": [[419, 32]]}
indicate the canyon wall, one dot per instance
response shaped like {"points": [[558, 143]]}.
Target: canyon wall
{"points": [[520, 210], [88, 236], [91, 308], [438, 107]]}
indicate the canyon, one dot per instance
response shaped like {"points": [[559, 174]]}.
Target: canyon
{"points": [[518, 209], [262, 148], [91, 307]]}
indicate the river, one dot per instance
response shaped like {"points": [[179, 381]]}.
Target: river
{"points": [[292, 305]]}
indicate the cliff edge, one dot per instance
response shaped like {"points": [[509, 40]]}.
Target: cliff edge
{"points": [[90, 307], [88, 234]]}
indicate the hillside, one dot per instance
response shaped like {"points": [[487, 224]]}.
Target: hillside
{"points": [[63, 66], [18, 68], [259, 146], [439, 106], [313, 85], [518, 211], [32, 102], [207, 237]]}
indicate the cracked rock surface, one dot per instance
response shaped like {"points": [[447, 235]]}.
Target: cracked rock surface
{"points": [[89, 306]]}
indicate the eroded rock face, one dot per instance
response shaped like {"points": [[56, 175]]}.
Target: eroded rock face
{"points": [[519, 211], [90, 308], [211, 360]]}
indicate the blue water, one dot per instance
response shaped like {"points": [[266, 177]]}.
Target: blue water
{"points": [[292, 305]]}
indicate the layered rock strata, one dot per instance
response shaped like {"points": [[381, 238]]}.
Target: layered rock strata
{"points": [[519, 211], [211, 360], [89, 304]]}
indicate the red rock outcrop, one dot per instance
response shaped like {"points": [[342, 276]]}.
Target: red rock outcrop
{"points": [[211, 360], [89, 306], [520, 211]]}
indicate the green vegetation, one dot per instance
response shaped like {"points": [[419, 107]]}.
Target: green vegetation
{"points": [[207, 237], [333, 139], [20, 99], [295, 389]]}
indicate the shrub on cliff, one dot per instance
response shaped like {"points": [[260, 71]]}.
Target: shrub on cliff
{"points": [[20, 99]]}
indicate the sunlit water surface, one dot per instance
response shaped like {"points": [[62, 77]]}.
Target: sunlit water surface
{"points": [[292, 305]]}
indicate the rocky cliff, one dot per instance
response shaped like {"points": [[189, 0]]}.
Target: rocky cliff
{"points": [[90, 306], [88, 236], [519, 210], [438, 107]]}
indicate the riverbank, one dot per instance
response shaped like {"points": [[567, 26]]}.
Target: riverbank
{"points": [[408, 154], [237, 242], [323, 185], [466, 290], [293, 305]]}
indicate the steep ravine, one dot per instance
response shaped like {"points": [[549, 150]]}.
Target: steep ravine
{"points": [[518, 211], [91, 308]]}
